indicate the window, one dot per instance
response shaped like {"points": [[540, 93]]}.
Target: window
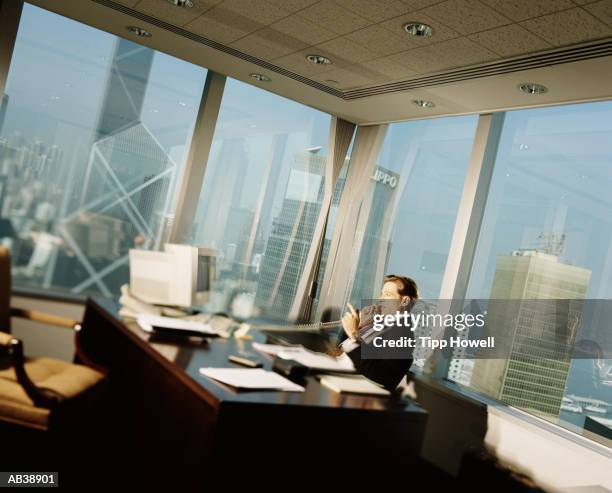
{"points": [[546, 234], [415, 191], [260, 199], [89, 152]]}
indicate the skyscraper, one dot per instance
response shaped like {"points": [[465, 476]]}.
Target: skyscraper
{"points": [[376, 243], [534, 374], [291, 235], [3, 106]]}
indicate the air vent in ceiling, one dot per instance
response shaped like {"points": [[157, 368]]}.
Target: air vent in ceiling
{"points": [[537, 60]]}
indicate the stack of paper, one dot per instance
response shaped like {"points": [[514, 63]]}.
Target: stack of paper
{"points": [[315, 361], [254, 379], [272, 349], [318, 361], [353, 385]]}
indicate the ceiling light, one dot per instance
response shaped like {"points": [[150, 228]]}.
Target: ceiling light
{"points": [[419, 30], [332, 81], [318, 59], [261, 77], [186, 4], [139, 31], [423, 103], [531, 88]]}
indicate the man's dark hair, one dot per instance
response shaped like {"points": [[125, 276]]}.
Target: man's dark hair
{"points": [[406, 286]]}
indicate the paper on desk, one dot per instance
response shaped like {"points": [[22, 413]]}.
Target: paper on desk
{"points": [[318, 361], [353, 385], [256, 378], [273, 349], [315, 361], [147, 322]]}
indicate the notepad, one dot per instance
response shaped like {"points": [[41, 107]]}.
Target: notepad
{"points": [[253, 379], [353, 385]]}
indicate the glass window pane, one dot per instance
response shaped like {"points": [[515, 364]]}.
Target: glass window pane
{"points": [[329, 228], [260, 199], [89, 152], [415, 191], [547, 234]]}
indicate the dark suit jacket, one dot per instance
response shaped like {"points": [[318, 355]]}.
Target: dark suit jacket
{"points": [[387, 372]]}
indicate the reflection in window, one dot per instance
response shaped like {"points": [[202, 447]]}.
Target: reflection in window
{"points": [[546, 234], [89, 152], [414, 193], [261, 198]]}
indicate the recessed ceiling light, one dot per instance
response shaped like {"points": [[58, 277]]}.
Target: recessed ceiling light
{"points": [[261, 77], [139, 31], [186, 4], [318, 59], [531, 88], [332, 81], [423, 103], [419, 30]]}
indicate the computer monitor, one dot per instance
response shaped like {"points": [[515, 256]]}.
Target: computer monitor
{"points": [[181, 275]]}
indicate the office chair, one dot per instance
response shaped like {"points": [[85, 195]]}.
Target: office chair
{"points": [[40, 394]]}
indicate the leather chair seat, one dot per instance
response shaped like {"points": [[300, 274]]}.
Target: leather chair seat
{"points": [[69, 380]]}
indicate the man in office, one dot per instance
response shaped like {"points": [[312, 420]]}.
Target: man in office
{"points": [[398, 293]]}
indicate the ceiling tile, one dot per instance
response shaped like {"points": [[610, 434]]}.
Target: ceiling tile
{"points": [[296, 62], [343, 49], [567, 27], [293, 5], [466, 16], [380, 40], [448, 54], [520, 10], [375, 11], [390, 69], [268, 44], [303, 30], [333, 17], [261, 11], [163, 10], [510, 40], [219, 25], [441, 31], [602, 10]]}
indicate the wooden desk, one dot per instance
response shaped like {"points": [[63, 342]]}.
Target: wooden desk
{"points": [[178, 429]]}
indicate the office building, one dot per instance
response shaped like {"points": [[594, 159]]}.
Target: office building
{"points": [[291, 236], [3, 105], [542, 333]]}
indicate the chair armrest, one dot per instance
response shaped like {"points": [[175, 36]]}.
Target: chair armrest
{"points": [[11, 351], [62, 322], [44, 318]]}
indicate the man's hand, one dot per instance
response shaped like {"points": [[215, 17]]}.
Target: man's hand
{"points": [[350, 322]]}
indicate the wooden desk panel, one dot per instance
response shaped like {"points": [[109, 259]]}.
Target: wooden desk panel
{"points": [[179, 429]]}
